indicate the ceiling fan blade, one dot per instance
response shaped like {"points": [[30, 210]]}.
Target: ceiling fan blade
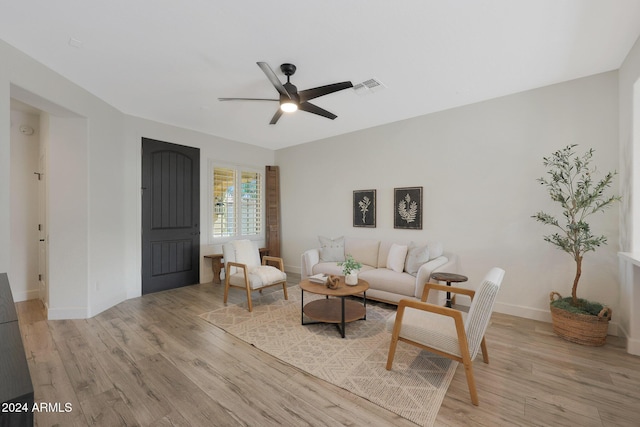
{"points": [[247, 99], [315, 92], [311, 108], [275, 81], [275, 117]]}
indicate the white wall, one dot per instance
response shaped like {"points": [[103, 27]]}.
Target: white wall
{"points": [[24, 203], [68, 218], [94, 186], [95, 165], [629, 119], [629, 122], [5, 170], [478, 166]]}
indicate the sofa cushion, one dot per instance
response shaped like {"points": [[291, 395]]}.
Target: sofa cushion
{"points": [[387, 280], [364, 251], [416, 256], [334, 268], [396, 258], [259, 277], [327, 268], [331, 250], [383, 252]]}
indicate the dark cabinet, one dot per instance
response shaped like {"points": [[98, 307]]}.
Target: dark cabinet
{"points": [[16, 389]]}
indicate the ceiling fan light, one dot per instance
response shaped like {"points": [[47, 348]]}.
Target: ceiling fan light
{"points": [[289, 107]]}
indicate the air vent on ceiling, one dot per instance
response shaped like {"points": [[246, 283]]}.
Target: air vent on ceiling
{"points": [[368, 86]]}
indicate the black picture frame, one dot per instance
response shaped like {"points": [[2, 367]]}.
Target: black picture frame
{"points": [[407, 208], [364, 208]]}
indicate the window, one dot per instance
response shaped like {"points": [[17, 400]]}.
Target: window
{"points": [[237, 203]]}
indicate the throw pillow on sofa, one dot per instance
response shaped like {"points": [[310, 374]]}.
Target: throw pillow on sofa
{"points": [[364, 251], [396, 258], [416, 256], [331, 250]]}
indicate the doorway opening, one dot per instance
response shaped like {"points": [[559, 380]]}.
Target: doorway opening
{"points": [[35, 124], [28, 204]]}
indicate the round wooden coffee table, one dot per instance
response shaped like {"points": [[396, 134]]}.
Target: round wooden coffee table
{"points": [[335, 308]]}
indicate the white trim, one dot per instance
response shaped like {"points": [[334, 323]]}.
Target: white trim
{"points": [[26, 295], [106, 304], [541, 315], [633, 346], [67, 313], [523, 311], [293, 269]]}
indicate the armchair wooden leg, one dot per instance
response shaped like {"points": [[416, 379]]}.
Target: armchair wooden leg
{"points": [[392, 351], [249, 299], [471, 382], [226, 290], [397, 325], [284, 289], [485, 355]]}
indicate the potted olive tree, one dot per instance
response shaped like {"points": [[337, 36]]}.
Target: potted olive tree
{"points": [[571, 182]]}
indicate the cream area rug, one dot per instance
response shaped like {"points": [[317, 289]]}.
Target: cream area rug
{"points": [[413, 389]]}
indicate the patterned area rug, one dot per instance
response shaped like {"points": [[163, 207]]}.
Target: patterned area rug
{"points": [[413, 389]]}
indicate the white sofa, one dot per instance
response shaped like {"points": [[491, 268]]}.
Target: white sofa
{"points": [[390, 278]]}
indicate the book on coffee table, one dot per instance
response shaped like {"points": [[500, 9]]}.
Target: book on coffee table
{"points": [[318, 278]]}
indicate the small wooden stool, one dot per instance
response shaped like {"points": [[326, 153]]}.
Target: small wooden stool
{"points": [[449, 278]]}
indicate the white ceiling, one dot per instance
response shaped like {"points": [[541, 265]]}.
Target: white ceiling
{"points": [[169, 60]]}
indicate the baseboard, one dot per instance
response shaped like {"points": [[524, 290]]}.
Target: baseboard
{"points": [[633, 346], [107, 304], [613, 329], [541, 315], [523, 311], [296, 270], [26, 295], [66, 313]]}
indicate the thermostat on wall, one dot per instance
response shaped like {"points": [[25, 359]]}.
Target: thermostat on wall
{"points": [[26, 129]]}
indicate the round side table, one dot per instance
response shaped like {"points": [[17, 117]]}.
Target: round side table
{"points": [[449, 278]]}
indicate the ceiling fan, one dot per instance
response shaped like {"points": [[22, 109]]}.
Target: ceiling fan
{"points": [[292, 100]]}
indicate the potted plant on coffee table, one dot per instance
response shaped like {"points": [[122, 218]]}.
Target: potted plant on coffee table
{"points": [[571, 182], [350, 269]]}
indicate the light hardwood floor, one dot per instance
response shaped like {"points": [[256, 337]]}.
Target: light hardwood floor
{"points": [[151, 361]]}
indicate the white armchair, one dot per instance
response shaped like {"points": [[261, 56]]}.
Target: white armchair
{"points": [[244, 270], [446, 331]]}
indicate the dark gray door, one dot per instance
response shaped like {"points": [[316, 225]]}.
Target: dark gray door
{"points": [[170, 215]]}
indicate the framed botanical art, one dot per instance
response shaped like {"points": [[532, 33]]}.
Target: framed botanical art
{"points": [[364, 208], [407, 206]]}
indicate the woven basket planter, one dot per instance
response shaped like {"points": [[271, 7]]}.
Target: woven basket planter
{"points": [[582, 329]]}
